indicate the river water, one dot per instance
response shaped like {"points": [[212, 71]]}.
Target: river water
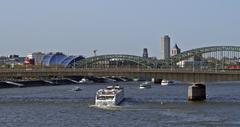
{"points": [[160, 106]]}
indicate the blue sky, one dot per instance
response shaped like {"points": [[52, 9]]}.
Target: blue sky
{"points": [[115, 26]]}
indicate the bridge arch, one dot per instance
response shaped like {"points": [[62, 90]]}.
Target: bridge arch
{"points": [[114, 60], [199, 51]]}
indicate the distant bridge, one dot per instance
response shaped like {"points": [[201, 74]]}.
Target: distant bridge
{"points": [[223, 55], [136, 66], [180, 75], [113, 61], [217, 51]]}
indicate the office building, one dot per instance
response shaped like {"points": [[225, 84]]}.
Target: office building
{"points": [[37, 57], [165, 47]]}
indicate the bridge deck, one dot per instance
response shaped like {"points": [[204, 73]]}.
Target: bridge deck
{"points": [[175, 74]]}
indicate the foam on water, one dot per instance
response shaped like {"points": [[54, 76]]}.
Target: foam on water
{"points": [[112, 107]]}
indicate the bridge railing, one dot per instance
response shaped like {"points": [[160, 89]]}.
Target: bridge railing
{"points": [[118, 69]]}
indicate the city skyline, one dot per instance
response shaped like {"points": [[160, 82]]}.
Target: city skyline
{"points": [[126, 27]]}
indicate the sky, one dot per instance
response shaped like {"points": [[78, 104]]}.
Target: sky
{"points": [[77, 27]]}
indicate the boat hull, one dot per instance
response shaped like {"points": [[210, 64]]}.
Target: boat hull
{"points": [[145, 87], [166, 82]]}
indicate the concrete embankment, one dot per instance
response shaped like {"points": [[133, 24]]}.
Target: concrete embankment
{"points": [[33, 83], [6, 85], [60, 81], [63, 81]]}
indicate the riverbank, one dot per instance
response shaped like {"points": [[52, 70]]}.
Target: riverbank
{"points": [[33, 83], [61, 81]]}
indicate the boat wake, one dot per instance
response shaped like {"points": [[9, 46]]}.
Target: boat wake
{"points": [[112, 107]]}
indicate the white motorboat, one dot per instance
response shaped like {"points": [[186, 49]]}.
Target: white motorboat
{"points": [[167, 82], [110, 96], [85, 81], [77, 88], [145, 85]]}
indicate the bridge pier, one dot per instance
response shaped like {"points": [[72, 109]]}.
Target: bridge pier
{"points": [[197, 92]]}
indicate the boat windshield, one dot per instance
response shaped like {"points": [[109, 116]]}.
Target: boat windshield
{"points": [[105, 97]]}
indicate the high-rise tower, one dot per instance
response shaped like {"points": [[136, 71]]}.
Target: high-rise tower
{"points": [[165, 47]]}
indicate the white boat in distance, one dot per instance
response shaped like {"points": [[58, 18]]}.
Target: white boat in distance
{"points": [[85, 81], [77, 88], [145, 85], [110, 96], [167, 82]]}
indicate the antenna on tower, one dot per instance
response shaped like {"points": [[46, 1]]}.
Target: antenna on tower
{"points": [[95, 52]]}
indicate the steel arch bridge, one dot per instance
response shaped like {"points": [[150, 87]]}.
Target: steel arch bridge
{"points": [[131, 61], [104, 61], [200, 51]]}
